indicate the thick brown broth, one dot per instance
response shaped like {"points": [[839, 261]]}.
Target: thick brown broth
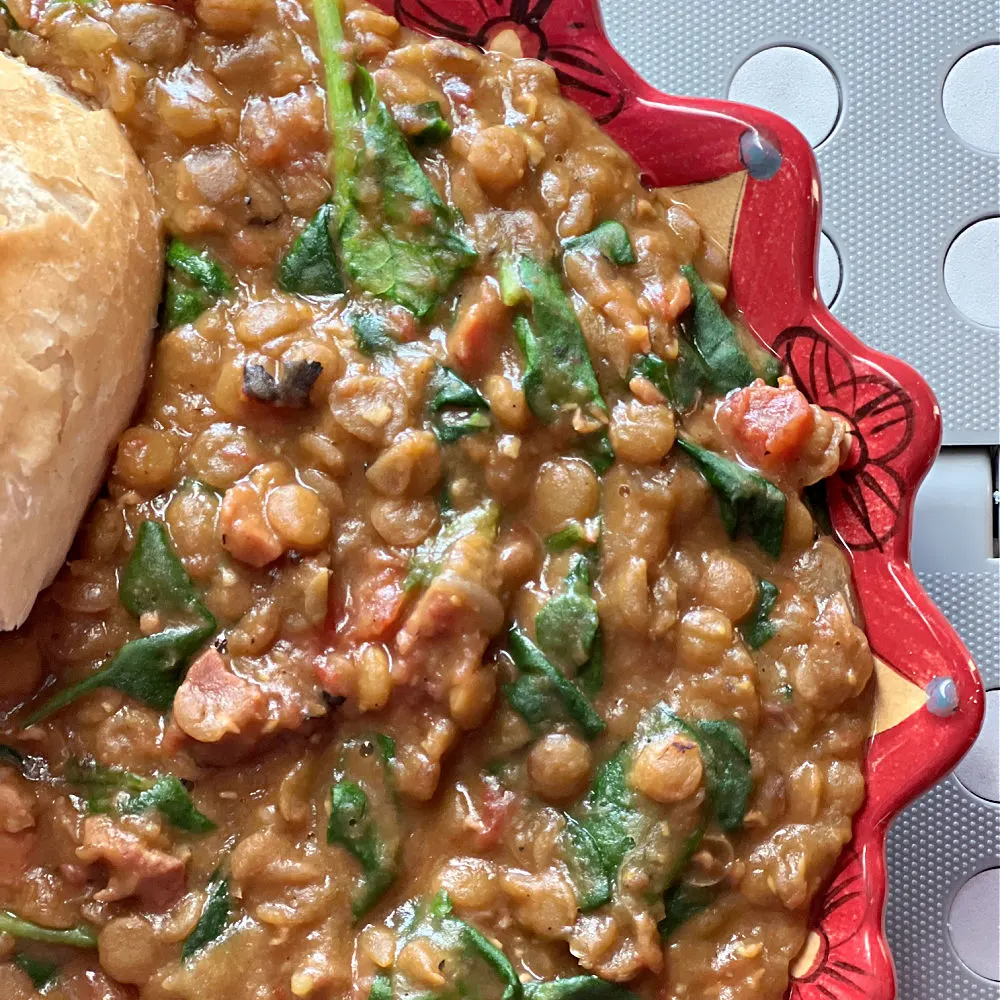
{"points": [[300, 527]]}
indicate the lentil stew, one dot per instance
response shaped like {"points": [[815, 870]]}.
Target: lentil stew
{"points": [[457, 619]]}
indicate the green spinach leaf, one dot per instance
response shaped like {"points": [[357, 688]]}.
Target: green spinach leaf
{"points": [[310, 266], [381, 988], [558, 374], [149, 669], [195, 280], [531, 697], [215, 916], [609, 238], [586, 866], [112, 789], [451, 425], [575, 533], [597, 449], [725, 760], [154, 579], [199, 486], [758, 627], [200, 266], [469, 958], [80, 936], [171, 799], [425, 123], [767, 366], [410, 246], [678, 380], [747, 501], [364, 817], [623, 824], [40, 973], [451, 389], [548, 680], [610, 815], [371, 333], [577, 988], [457, 408], [558, 368], [182, 303], [683, 901], [566, 625], [495, 959], [590, 677], [716, 338], [728, 778], [426, 562]]}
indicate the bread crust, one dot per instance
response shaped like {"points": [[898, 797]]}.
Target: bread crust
{"points": [[80, 277]]}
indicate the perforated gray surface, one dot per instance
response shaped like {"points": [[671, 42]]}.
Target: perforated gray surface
{"points": [[899, 98], [925, 873], [948, 835], [971, 602], [899, 184]]}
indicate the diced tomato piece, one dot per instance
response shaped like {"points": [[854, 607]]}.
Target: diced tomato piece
{"points": [[768, 424], [373, 604], [669, 302]]}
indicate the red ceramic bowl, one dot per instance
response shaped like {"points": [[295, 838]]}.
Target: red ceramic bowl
{"points": [[897, 429]]}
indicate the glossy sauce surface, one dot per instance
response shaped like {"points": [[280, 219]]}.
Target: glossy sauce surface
{"points": [[407, 584]]}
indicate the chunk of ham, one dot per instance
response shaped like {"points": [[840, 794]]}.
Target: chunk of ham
{"points": [[213, 702], [243, 528], [135, 868], [17, 803], [482, 321], [445, 635], [17, 827], [280, 130], [16, 852]]}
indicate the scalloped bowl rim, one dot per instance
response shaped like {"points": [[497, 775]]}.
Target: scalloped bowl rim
{"points": [[908, 758]]}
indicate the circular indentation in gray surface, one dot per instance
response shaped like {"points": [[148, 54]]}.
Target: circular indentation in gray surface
{"points": [[831, 271], [792, 83], [971, 98], [970, 271], [979, 770], [973, 923]]}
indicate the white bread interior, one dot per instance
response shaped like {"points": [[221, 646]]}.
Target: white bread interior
{"points": [[80, 278]]}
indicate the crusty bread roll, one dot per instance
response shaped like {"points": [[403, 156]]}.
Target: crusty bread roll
{"points": [[80, 277]]}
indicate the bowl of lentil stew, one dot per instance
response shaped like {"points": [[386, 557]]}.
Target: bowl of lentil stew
{"points": [[476, 628]]}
